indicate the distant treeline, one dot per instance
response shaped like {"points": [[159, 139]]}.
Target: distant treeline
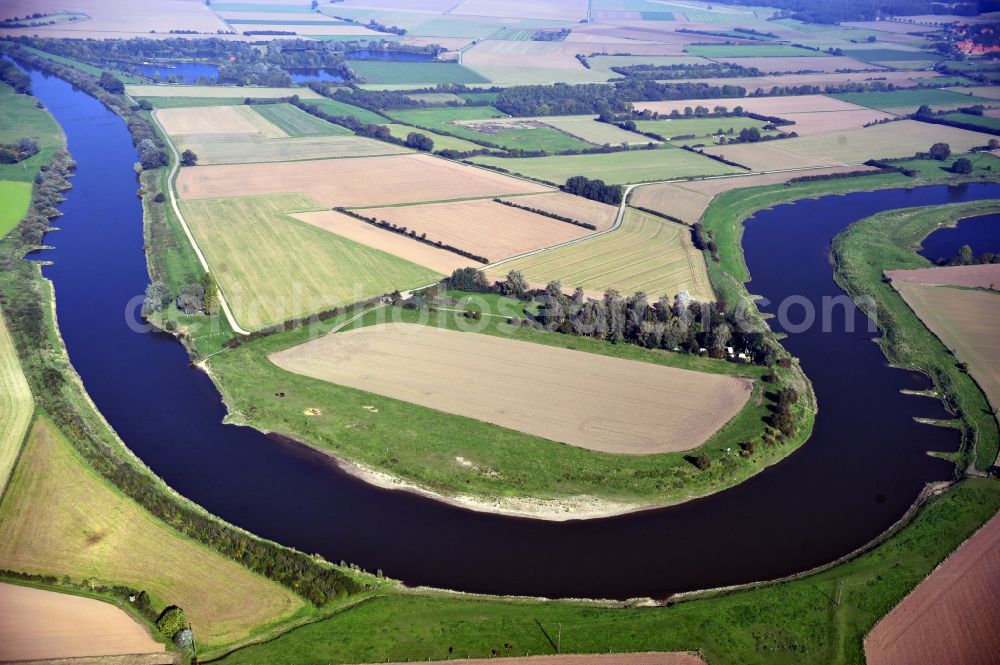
{"points": [[687, 71], [835, 11]]}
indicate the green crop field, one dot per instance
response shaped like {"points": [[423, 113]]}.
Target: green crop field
{"points": [[334, 107], [698, 127], [184, 102], [14, 199], [647, 254], [16, 405], [378, 71], [272, 267], [980, 120], [722, 51], [890, 55], [616, 168], [900, 99], [59, 517], [457, 121], [296, 122], [441, 142], [22, 118], [223, 149]]}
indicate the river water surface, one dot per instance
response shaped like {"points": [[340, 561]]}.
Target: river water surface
{"points": [[863, 466]]}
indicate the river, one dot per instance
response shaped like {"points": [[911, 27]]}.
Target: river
{"points": [[862, 468]]}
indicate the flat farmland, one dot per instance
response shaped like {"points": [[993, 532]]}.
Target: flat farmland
{"points": [[556, 10], [241, 149], [766, 83], [212, 120], [294, 121], [952, 617], [688, 200], [775, 106], [59, 517], [967, 321], [108, 18], [365, 181], [647, 254], [985, 276], [895, 139], [807, 124], [335, 108], [441, 141], [575, 207], [605, 403], [617, 168], [439, 260], [587, 128], [988, 91], [830, 63], [728, 51], [986, 120], [417, 73], [528, 62], [36, 624], [911, 99], [14, 200], [483, 227], [218, 91], [701, 127], [437, 98], [272, 267], [653, 658], [17, 407]]}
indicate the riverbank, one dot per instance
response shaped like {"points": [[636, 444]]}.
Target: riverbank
{"points": [[889, 242]]}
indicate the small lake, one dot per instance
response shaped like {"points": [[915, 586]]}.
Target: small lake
{"points": [[389, 55], [301, 75], [981, 233], [187, 72]]}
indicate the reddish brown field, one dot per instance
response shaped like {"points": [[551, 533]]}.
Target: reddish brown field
{"points": [[575, 207], [983, 276], [952, 617], [365, 181], [113, 18], [662, 658], [36, 624]]}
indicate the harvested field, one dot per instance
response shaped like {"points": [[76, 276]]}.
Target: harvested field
{"points": [[441, 141], [661, 658], [688, 201], [991, 92], [272, 267], [17, 407], [556, 10], [604, 402], [698, 127], [895, 139], [218, 91], [227, 120], [979, 276], [952, 617], [807, 124], [59, 517], [776, 106], [575, 207], [294, 121], [647, 254], [483, 227], [365, 181], [911, 99], [36, 624], [966, 320], [766, 83], [439, 260], [616, 168], [526, 62], [821, 64], [224, 149], [587, 128], [110, 18]]}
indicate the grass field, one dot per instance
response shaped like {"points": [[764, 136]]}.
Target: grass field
{"points": [[699, 127], [218, 91], [14, 199], [603, 402], [417, 73], [886, 242], [184, 102], [486, 124], [906, 99], [888, 56], [614, 168], [781, 624], [229, 121], [272, 267], [967, 321], [60, 518], [441, 142], [333, 107], [723, 51], [587, 128], [16, 406], [296, 122], [647, 254], [223, 149], [22, 118], [981, 120], [437, 98]]}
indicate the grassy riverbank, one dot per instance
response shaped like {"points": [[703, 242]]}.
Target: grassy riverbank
{"points": [[888, 242]]}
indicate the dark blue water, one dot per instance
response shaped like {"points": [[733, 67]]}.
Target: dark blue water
{"points": [[395, 56], [981, 233], [187, 72], [863, 466], [303, 75]]}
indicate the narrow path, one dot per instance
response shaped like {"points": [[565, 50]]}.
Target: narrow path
{"points": [[187, 231]]}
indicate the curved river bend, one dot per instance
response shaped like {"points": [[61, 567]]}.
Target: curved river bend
{"points": [[864, 465]]}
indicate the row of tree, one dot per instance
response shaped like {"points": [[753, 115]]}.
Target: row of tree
{"points": [[198, 298]]}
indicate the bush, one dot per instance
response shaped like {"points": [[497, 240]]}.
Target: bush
{"points": [[171, 621], [962, 166]]}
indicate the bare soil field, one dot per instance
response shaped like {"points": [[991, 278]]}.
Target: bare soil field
{"points": [[483, 227], [952, 617], [112, 18], [776, 106], [438, 260], [557, 10], [508, 61], [365, 181], [752, 83], [208, 120], [967, 321], [604, 403], [688, 201], [243, 149], [981, 276], [661, 658], [587, 128], [575, 207], [36, 624], [807, 124], [987, 91], [796, 64], [218, 91], [855, 146]]}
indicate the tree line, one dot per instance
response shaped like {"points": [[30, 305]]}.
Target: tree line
{"points": [[410, 233]]}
